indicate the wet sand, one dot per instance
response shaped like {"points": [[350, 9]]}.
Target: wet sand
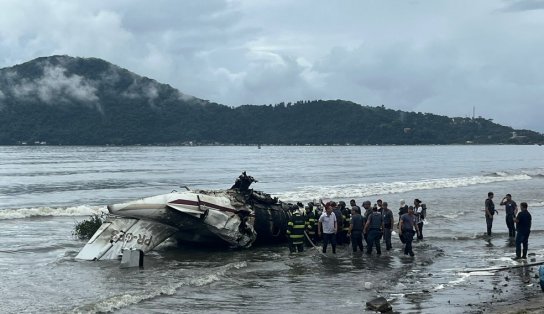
{"points": [[532, 302], [514, 291]]}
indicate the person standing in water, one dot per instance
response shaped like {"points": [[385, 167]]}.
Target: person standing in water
{"points": [[403, 209], [374, 229], [311, 222], [327, 223], [366, 211], [356, 228], [339, 222], [418, 211], [523, 222], [346, 218], [388, 222], [489, 212], [511, 210], [407, 229], [295, 230]]}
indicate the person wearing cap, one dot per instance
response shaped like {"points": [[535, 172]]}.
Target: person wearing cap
{"points": [[511, 210], [327, 222]]}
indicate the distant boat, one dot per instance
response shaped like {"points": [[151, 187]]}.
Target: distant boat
{"points": [[259, 146]]}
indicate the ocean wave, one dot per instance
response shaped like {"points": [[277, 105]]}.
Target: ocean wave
{"points": [[384, 188], [82, 210], [451, 216], [120, 301], [536, 204], [539, 172]]}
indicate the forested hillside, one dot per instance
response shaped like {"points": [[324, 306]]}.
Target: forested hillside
{"points": [[62, 100]]}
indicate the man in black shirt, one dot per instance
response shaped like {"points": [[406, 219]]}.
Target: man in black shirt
{"points": [[523, 222], [489, 212], [373, 229], [356, 228]]}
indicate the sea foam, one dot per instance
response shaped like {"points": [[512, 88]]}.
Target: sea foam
{"points": [[384, 188], [82, 210], [120, 301]]}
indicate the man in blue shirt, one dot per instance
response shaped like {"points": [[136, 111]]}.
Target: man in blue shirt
{"points": [[407, 229], [511, 210]]}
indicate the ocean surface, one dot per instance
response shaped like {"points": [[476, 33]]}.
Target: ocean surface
{"points": [[45, 190]]}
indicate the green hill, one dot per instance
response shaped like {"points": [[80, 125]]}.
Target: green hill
{"points": [[87, 101]]}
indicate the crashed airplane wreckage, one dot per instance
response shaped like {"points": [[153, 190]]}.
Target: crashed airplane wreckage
{"points": [[237, 218]]}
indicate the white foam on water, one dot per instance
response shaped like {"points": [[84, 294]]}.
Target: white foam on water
{"points": [[536, 204], [508, 259], [451, 216], [537, 172], [384, 188], [82, 210], [400, 286], [482, 273], [462, 278], [120, 301]]}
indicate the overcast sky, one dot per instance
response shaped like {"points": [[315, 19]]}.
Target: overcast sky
{"points": [[443, 57]]}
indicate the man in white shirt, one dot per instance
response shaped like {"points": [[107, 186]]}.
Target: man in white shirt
{"points": [[327, 225], [418, 211]]}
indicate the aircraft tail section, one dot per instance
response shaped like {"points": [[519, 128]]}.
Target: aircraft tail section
{"points": [[118, 234]]}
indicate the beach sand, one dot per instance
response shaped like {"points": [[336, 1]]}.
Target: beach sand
{"points": [[532, 303], [516, 291]]}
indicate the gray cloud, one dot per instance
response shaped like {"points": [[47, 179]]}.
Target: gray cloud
{"points": [[54, 87], [429, 56], [523, 5]]}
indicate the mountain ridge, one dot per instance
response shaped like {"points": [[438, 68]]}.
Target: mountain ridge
{"points": [[63, 100]]}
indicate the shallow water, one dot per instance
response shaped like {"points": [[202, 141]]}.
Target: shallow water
{"points": [[44, 190]]}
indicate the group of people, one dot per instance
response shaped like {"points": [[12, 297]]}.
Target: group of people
{"points": [[334, 223], [516, 222]]}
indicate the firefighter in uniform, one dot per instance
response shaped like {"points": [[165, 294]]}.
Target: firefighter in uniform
{"points": [[311, 222], [295, 230]]}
